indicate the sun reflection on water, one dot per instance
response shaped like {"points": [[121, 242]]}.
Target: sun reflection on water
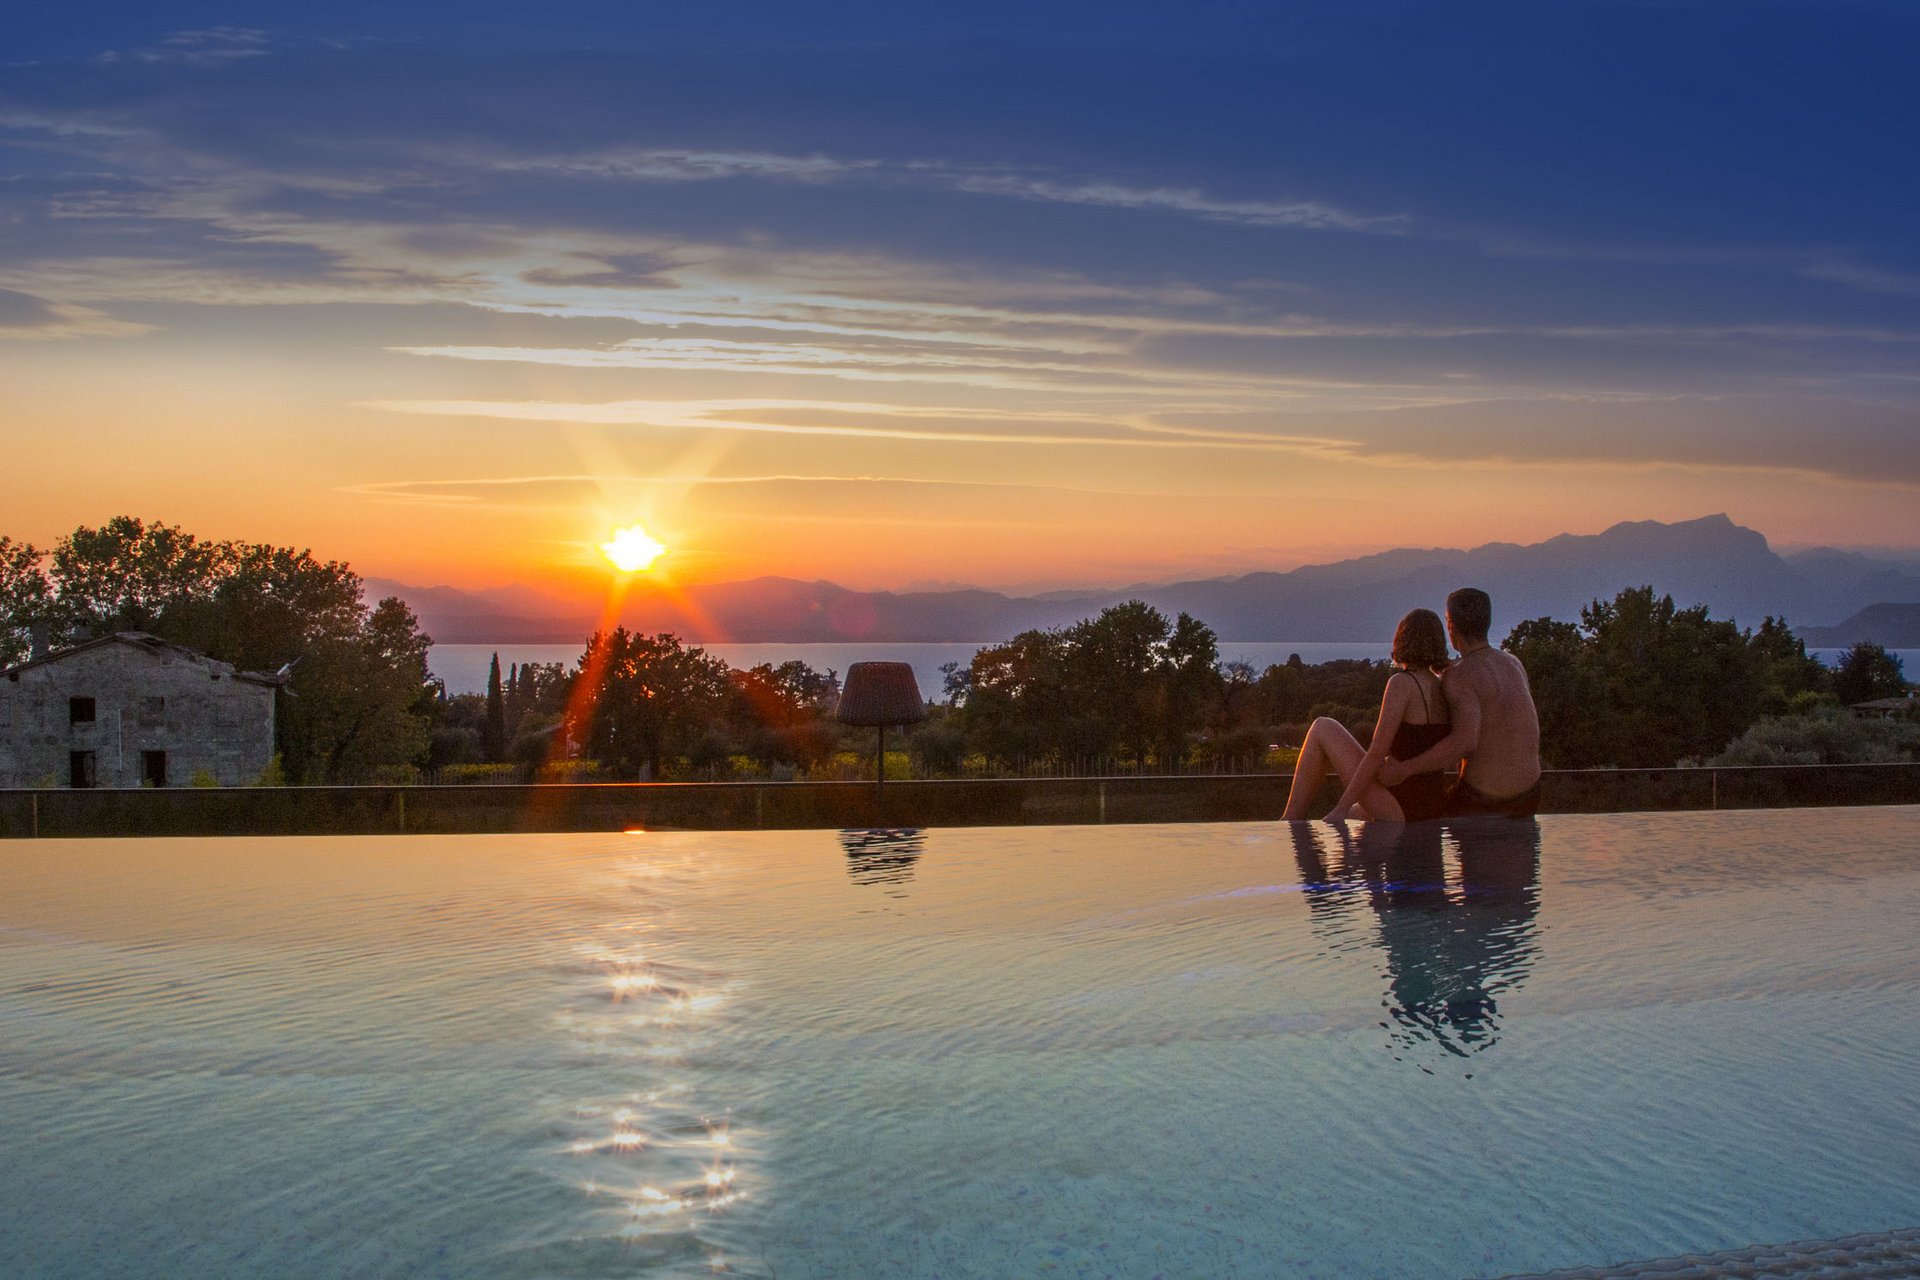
{"points": [[659, 1157]]}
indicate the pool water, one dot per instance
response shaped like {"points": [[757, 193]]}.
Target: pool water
{"points": [[1221, 1050]]}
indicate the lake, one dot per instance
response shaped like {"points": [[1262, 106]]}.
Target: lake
{"points": [[464, 666]]}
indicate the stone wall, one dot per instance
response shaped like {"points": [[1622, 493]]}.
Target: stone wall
{"points": [[154, 709]]}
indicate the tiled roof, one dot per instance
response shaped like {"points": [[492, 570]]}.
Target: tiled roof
{"points": [[153, 645]]}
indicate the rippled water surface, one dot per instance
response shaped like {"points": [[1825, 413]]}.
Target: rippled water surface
{"points": [[1230, 1050]]}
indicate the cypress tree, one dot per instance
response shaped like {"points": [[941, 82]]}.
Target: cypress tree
{"points": [[493, 738]]}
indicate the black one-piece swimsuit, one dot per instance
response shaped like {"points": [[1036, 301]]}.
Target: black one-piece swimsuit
{"points": [[1424, 795]]}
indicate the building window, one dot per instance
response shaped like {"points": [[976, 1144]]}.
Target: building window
{"points": [[80, 770], [153, 711], [80, 711], [153, 768]]}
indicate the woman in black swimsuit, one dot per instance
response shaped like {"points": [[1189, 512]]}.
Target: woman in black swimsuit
{"points": [[1413, 716]]}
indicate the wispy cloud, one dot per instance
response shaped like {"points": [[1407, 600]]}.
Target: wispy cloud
{"points": [[667, 165], [656, 415], [1030, 185], [1625, 434], [1310, 215], [24, 316], [1855, 275], [207, 47], [568, 490]]}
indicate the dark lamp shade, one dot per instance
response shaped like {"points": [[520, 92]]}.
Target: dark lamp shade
{"points": [[880, 693]]}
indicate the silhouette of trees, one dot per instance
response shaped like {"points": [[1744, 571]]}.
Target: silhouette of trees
{"points": [[1868, 672], [362, 701], [643, 700], [1641, 682], [1124, 684], [493, 731], [779, 714], [129, 576], [1637, 681], [26, 598]]}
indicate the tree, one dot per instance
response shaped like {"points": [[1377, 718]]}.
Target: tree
{"points": [[1019, 705], [1868, 672], [457, 729], [1191, 684], [1124, 683], [646, 700], [1281, 693], [361, 701], [1783, 669], [537, 695], [493, 730], [956, 682], [1112, 663], [1676, 682], [1642, 683], [127, 575], [779, 714], [267, 607], [26, 599], [1567, 691]]}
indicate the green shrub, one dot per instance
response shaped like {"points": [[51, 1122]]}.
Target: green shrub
{"points": [[1281, 759], [569, 771], [1824, 735], [939, 749]]}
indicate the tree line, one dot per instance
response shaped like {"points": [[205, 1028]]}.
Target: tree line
{"points": [[357, 704], [1637, 681]]}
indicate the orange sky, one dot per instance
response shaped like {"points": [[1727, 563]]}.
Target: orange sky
{"points": [[453, 315], [370, 459]]}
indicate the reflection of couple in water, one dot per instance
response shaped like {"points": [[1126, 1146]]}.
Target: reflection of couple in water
{"points": [[1453, 944], [1475, 711]]}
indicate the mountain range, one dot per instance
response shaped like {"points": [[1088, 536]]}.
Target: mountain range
{"points": [[1710, 561]]}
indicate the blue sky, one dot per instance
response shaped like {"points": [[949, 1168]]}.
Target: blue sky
{"points": [[1003, 271]]}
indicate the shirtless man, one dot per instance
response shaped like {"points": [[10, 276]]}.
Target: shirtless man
{"points": [[1496, 731]]}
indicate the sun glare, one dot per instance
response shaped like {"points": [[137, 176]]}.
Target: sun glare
{"points": [[632, 549]]}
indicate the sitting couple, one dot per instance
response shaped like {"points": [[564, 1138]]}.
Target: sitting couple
{"points": [[1475, 711]]}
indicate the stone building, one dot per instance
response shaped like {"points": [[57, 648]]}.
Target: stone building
{"points": [[131, 710]]}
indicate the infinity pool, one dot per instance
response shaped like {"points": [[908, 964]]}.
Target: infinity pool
{"points": [[1230, 1050]]}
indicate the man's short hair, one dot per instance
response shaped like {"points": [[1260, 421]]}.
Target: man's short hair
{"points": [[1470, 610]]}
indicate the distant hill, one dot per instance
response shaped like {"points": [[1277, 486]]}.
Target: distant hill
{"points": [[1891, 626], [1710, 561]]}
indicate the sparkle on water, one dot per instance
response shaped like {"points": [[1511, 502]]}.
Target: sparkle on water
{"points": [[1231, 1050]]}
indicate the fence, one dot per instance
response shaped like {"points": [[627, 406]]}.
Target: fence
{"points": [[857, 767], [191, 811]]}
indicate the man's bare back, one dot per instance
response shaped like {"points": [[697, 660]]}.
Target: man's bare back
{"points": [[1502, 758]]}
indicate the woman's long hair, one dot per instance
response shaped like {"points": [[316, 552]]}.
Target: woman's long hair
{"points": [[1421, 641]]}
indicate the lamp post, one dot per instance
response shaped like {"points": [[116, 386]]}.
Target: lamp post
{"points": [[880, 694]]}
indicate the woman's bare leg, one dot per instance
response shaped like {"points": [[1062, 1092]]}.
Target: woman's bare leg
{"points": [[1379, 805], [1329, 748]]}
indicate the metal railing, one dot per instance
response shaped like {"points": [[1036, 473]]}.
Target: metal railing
{"points": [[936, 802]]}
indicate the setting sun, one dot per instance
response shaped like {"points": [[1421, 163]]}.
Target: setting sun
{"points": [[632, 549]]}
